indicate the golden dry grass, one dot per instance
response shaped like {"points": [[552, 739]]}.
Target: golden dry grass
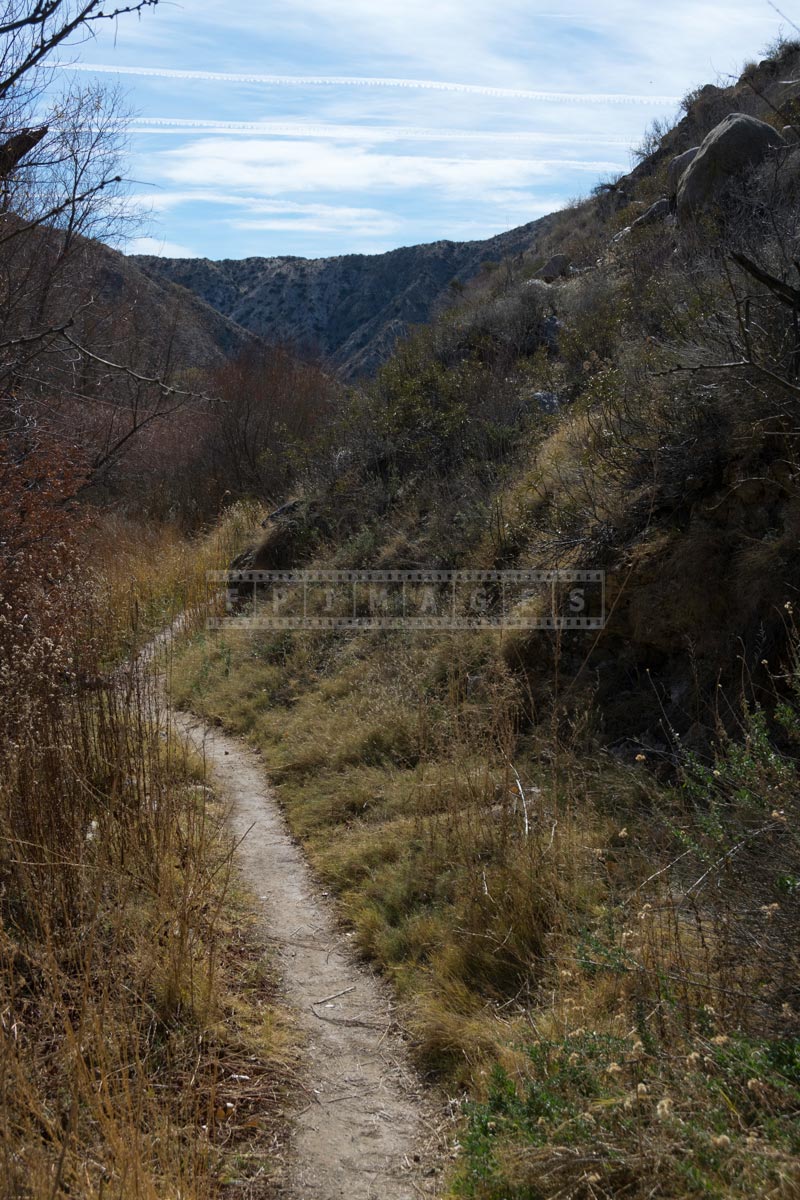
{"points": [[144, 1051]]}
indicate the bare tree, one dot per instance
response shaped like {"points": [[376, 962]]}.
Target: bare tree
{"points": [[30, 30], [63, 350]]}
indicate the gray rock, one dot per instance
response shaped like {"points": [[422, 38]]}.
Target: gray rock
{"points": [[551, 327], [733, 147], [656, 212], [548, 402], [676, 168], [285, 510], [556, 268], [790, 135]]}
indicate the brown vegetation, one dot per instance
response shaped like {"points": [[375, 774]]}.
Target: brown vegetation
{"points": [[134, 1001], [127, 1002]]}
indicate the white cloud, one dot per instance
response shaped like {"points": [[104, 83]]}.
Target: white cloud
{"points": [[289, 216], [159, 246], [335, 224], [516, 43], [288, 167], [413, 114], [372, 134]]}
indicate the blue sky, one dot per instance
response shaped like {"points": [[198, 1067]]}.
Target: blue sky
{"points": [[320, 127]]}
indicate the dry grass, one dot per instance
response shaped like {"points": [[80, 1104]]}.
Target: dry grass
{"points": [[565, 934], [455, 865], [146, 574], [143, 1049], [598, 950]]}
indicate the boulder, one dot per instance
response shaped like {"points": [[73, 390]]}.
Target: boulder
{"points": [[676, 168], [285, 510], [556, 268], [733, 147], [547, 402], [790, 135], [656, 212]]}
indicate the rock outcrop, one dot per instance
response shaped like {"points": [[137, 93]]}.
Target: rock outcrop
{"points": [[675, 172], [656, 212], [738, 144], [556, 268]]}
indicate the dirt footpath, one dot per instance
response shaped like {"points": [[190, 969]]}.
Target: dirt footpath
{"points": [[366, 1130]]}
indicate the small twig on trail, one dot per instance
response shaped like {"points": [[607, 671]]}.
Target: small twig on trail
{"points": [[352, 1021], [282, 941], [335, 995], [384, 1036], [348, 1096]]}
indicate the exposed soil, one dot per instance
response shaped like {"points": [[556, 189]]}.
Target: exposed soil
{"points": [[366, 1128]]}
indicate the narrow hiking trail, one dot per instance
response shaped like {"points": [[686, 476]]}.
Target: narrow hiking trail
{"points": [[369, 1131]]}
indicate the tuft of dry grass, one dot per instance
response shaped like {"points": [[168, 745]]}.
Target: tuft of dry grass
{"points": [[143, 575]]}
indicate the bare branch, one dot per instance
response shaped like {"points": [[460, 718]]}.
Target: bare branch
{"points": [[49, 33], [793, 388], [784, 291], [153, 381], [56, 211], [42, 335]]}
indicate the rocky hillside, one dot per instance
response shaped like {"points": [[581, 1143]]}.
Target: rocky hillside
{"points": [[184, 327], [631, 406], [112, 306], [350, 309]]}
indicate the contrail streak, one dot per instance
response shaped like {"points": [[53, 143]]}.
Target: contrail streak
{"points": [[431, 85]]}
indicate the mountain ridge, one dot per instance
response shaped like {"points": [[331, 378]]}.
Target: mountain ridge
{"points": [[350, 309]]}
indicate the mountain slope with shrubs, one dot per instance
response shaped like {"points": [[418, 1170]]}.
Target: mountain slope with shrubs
{"points": [[351, 309], [576, 855]]}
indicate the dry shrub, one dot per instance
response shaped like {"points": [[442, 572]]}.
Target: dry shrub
{"points": [[268, 410]]}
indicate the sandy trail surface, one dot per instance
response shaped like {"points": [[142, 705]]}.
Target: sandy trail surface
{"points": [[365, 1129]]}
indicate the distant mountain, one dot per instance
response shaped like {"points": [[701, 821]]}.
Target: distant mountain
{"points": [[349, 309]]}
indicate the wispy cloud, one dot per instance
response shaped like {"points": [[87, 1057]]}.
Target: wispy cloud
{"points": [[272, 167], [159, 246], [373, 134]]}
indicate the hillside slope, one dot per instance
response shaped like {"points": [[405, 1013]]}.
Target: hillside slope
{"points": [[199, 334], [109, 302], [350, 309], [576, 852]]}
